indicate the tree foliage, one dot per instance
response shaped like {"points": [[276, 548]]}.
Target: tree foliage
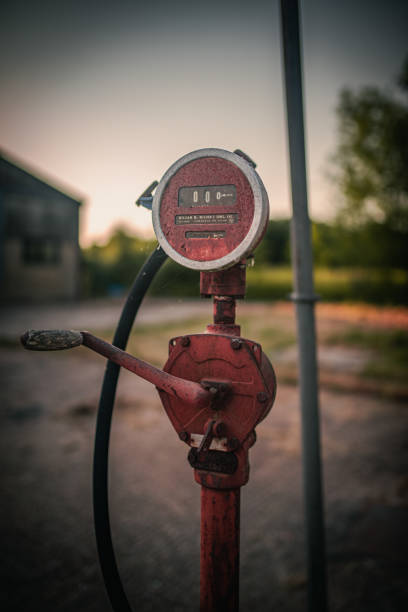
{"points": [[373, 155], [109, 269], [274, 248]]}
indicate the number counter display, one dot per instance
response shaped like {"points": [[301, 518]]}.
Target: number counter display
{"points": [[211, 195], [210, 210]]}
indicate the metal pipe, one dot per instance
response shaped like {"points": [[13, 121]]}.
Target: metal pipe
{"points": [[219, 561], [220, 508], [304, 298]]}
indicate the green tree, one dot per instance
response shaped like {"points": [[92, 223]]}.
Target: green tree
{"points": [[373, 154], [372, 163], [274, 247], [111, 268]]}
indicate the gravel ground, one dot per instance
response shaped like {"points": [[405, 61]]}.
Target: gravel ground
{"points": [[49, 557]]}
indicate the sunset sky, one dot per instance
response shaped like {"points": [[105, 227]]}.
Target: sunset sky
{"points": [[102, 97]]}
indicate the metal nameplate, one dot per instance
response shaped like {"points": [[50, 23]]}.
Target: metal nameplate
{"points": [[216, 218], [213, 461]]}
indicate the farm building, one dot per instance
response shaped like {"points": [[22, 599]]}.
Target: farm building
{"points": [[39, 254]]}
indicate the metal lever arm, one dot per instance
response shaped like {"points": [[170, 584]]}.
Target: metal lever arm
{"points": [[53, 340]]}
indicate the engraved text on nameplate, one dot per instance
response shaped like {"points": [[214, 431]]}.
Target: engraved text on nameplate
{"points": [[222, 218], [208, 234]]}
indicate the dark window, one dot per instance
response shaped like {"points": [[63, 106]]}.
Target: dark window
{"points": [[14, 222], [41, 251]]}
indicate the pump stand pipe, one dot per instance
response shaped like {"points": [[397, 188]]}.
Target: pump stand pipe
{"points": [[219, 559], [220, 508]]}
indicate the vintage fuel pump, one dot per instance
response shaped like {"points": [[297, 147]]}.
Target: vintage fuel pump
{"points": [[210, 210]]}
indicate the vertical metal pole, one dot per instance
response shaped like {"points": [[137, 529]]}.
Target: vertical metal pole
{"points": [[219, 563], [304, 297], [2, 242]]}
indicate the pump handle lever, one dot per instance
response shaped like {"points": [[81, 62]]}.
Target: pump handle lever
{"points": [[60, 339]]}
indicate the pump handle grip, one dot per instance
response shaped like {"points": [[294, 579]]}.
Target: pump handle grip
{"points": [[51, 339]]}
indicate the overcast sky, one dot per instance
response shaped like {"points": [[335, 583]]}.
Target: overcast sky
{"points": [[103, 97]]}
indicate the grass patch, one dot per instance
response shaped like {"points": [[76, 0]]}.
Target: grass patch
{"points": [[274, 336], [274, 329], [150, 341], [389, 351], [333, 285]]}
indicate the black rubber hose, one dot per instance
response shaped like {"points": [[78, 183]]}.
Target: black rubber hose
{"points": [[103, 534]]}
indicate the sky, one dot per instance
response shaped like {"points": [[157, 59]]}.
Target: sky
{"points": [[101, 97]]}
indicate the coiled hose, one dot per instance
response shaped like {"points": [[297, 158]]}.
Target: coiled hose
{"points": [[103, 534]]}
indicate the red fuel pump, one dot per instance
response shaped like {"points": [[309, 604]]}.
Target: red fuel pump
{"points": [[210, 210]]}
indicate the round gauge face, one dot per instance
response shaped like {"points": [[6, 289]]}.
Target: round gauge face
{"points": [[210, 210]]}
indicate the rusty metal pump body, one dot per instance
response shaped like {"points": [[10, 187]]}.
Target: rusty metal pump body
{"points": [[245, 381], [210, 211]]}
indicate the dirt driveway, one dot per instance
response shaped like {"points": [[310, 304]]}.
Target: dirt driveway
{"points": [[49, 558]]}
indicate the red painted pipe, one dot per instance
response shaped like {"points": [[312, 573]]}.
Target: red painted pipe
{"points": [[219, 565]]}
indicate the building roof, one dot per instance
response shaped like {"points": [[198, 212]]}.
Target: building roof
{"points": [[19, 178]]}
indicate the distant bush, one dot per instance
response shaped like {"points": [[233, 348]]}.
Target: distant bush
{"points": [[340, 274], [111, 268], [333, 285]]}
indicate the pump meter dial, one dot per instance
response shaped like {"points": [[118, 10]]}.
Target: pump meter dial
{"points": [[210, 210]]}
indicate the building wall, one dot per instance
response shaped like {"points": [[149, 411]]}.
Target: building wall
{"points": [[32, 215], [40, 253], [40, 281]]}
